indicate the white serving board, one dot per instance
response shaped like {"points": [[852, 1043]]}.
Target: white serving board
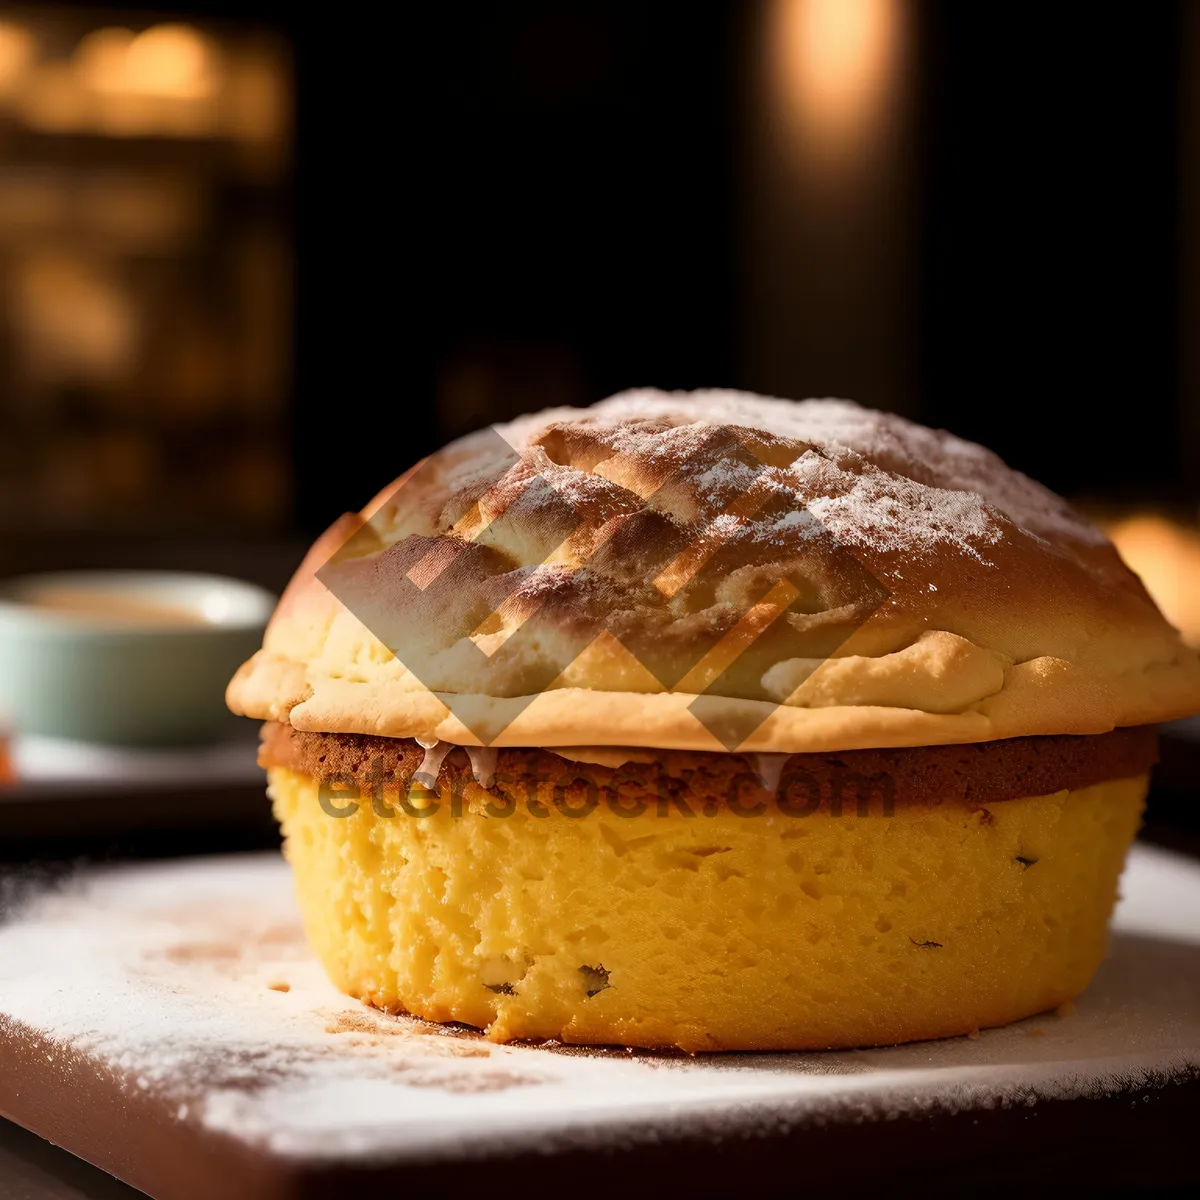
{"points": [[171, 977]]}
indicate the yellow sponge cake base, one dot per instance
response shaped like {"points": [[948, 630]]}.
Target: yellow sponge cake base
{"points": [[713, 932]]}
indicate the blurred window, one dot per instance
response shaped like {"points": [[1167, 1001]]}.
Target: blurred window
{"points": [[145, 272]]}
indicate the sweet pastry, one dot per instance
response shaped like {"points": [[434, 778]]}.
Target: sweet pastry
{"points": [[716, 722]]}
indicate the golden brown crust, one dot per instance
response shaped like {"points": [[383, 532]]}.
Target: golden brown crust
{"points": [[939, 596], [974, 774]]}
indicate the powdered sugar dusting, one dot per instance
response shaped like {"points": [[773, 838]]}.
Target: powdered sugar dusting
{"points": [[883, 482], [170, 975], [891, 513]]}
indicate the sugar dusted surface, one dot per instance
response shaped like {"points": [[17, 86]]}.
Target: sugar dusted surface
{"points": [[194, 980], [599, 552], [880, 481]]}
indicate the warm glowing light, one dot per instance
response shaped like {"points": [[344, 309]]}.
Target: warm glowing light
{"points": [[8, 774], [258, 98], [52, 100], [16, 54], [167, 61], [832, 62], [170, 80], [100, 59], [75, 317], [172, 60], [1166, 556]]}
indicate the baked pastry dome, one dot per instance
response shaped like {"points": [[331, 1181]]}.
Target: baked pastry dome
{"points": [[519, 710], [826, 577]]}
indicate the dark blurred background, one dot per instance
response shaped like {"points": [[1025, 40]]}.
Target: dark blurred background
{"points": [[255, 258]]}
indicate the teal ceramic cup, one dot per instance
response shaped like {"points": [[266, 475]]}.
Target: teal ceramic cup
{"points": [[137, 658]]}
